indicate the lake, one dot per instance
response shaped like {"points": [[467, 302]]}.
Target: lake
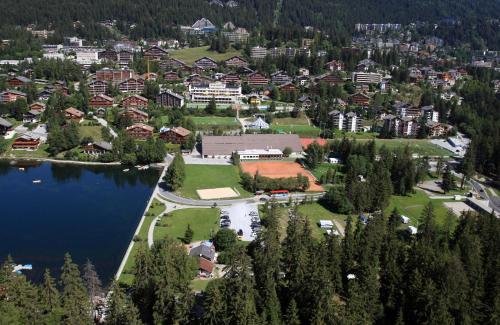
{"points": [[89, 211]]}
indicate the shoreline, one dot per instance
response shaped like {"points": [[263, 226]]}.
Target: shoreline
{"points": [[137, 230], [74, 162]]}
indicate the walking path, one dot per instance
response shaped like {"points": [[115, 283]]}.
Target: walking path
{"points": [[105, 124]]}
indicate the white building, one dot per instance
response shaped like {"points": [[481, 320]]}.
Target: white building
{"points": [[87, 57], [222, 93], [258, 52], [366, 77], [257, 154]]}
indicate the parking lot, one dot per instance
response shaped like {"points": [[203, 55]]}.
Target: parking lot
{"points": [[243, 218]]}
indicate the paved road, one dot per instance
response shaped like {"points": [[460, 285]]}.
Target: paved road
{"points": [[494, 202], [105, 124]]}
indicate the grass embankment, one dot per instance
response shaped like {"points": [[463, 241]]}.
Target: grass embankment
{"points": [[298, 126], [154, 210], [418, 146], [192, 54], [211, 176], [91, 131], [203, 221], [413, 205]]}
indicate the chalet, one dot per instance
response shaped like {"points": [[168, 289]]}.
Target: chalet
{"points": [[74, 114], [198, 79], [125, 57], [32, 116], [108, 55], [136, 101], [171, 76], [114, 75], [436, 129], [359, 99], [173, 64], [305, 101], [97, 87], [28, 141], [101, 100], [45, 94], [169, 99], [256, 79], [140, 131], [133, 86], [177, 135], [236, 62], [10, 95], [36, 106], [19, 81], [231, 78], [5, 126], [136, 115], [206, 63], [288, 88], [149, 76], [194, 69], [280, 78], [97, 148], [155, 53], [205, 267], [335, 65], [330, 79]]}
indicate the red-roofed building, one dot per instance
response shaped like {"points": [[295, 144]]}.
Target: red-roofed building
{"points": [[137, 116], [206, 267], [177, 135], [74, 114], [136, 101], [140, 131], [257, 79]]}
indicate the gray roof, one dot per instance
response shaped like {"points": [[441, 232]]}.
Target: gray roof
{"points": [[203, 251], [5, 123], [104, 145], [226, 145]]}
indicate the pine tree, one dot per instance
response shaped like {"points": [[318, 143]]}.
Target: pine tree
{"points": [[448, 180], [50, 299], [188, 234], [75, 303], [292, 317], [143, 294], [91, 280], [121, 309], [214, 307]]}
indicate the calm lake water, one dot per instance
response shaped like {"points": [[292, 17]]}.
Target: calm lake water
{"points": [[90, 212]]}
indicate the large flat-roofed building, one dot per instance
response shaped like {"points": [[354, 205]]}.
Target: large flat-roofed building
{"points": [[366, 77], [222, 93], [224, 146]]}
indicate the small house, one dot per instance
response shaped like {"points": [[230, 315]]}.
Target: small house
{"points": [[177, 135], [136, 115], [74, 114], [101, 100], [5, 126], [32, 116], [97, 148], [28, 141], [326, 224]]}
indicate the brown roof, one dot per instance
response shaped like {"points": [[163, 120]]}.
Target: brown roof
{"points": [[106, 97], [226, 145], [137, 111], [142, 126], [181, 131], [206, 265], [74, 111]]}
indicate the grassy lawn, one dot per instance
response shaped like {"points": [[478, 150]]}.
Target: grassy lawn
{"points": [[199, 285], [413, 205], [302, 120], [154, 210], [41, 152], [304, 131], [215, 121], [323, 168], [316, 212], [90, 131], [355, 135], [418, 146], [211, 176], [190, 55], [203, 221]]}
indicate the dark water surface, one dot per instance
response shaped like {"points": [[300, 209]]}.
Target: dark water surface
{"points": [[88, 211]]}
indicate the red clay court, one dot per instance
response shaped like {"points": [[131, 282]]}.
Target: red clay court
{"points": [[281, 169]]}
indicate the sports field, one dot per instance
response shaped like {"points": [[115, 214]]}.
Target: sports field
{"points": [[200, 177], [189, 55], [203, 221], [211, 121], [281, 169], [418, 146], [298, 126]]}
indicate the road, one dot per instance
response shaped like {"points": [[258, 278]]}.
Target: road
{"points": [[105, 124], [494, 202]]}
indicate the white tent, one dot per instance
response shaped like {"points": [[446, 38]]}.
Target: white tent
{"points": [[405, 219], [259, 123], [326, 224]]}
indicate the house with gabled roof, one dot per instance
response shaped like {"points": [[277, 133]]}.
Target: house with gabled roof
{"points": [[206, 63], [140, 131], [155, 53], [136, 101], [236, 61], [101, 100]]}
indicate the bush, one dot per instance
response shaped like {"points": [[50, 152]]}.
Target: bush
{"points": [[225, 239]]}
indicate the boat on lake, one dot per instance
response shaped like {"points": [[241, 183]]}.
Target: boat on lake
{"points": [[37, 181], [126, 170], [21, 169]]}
